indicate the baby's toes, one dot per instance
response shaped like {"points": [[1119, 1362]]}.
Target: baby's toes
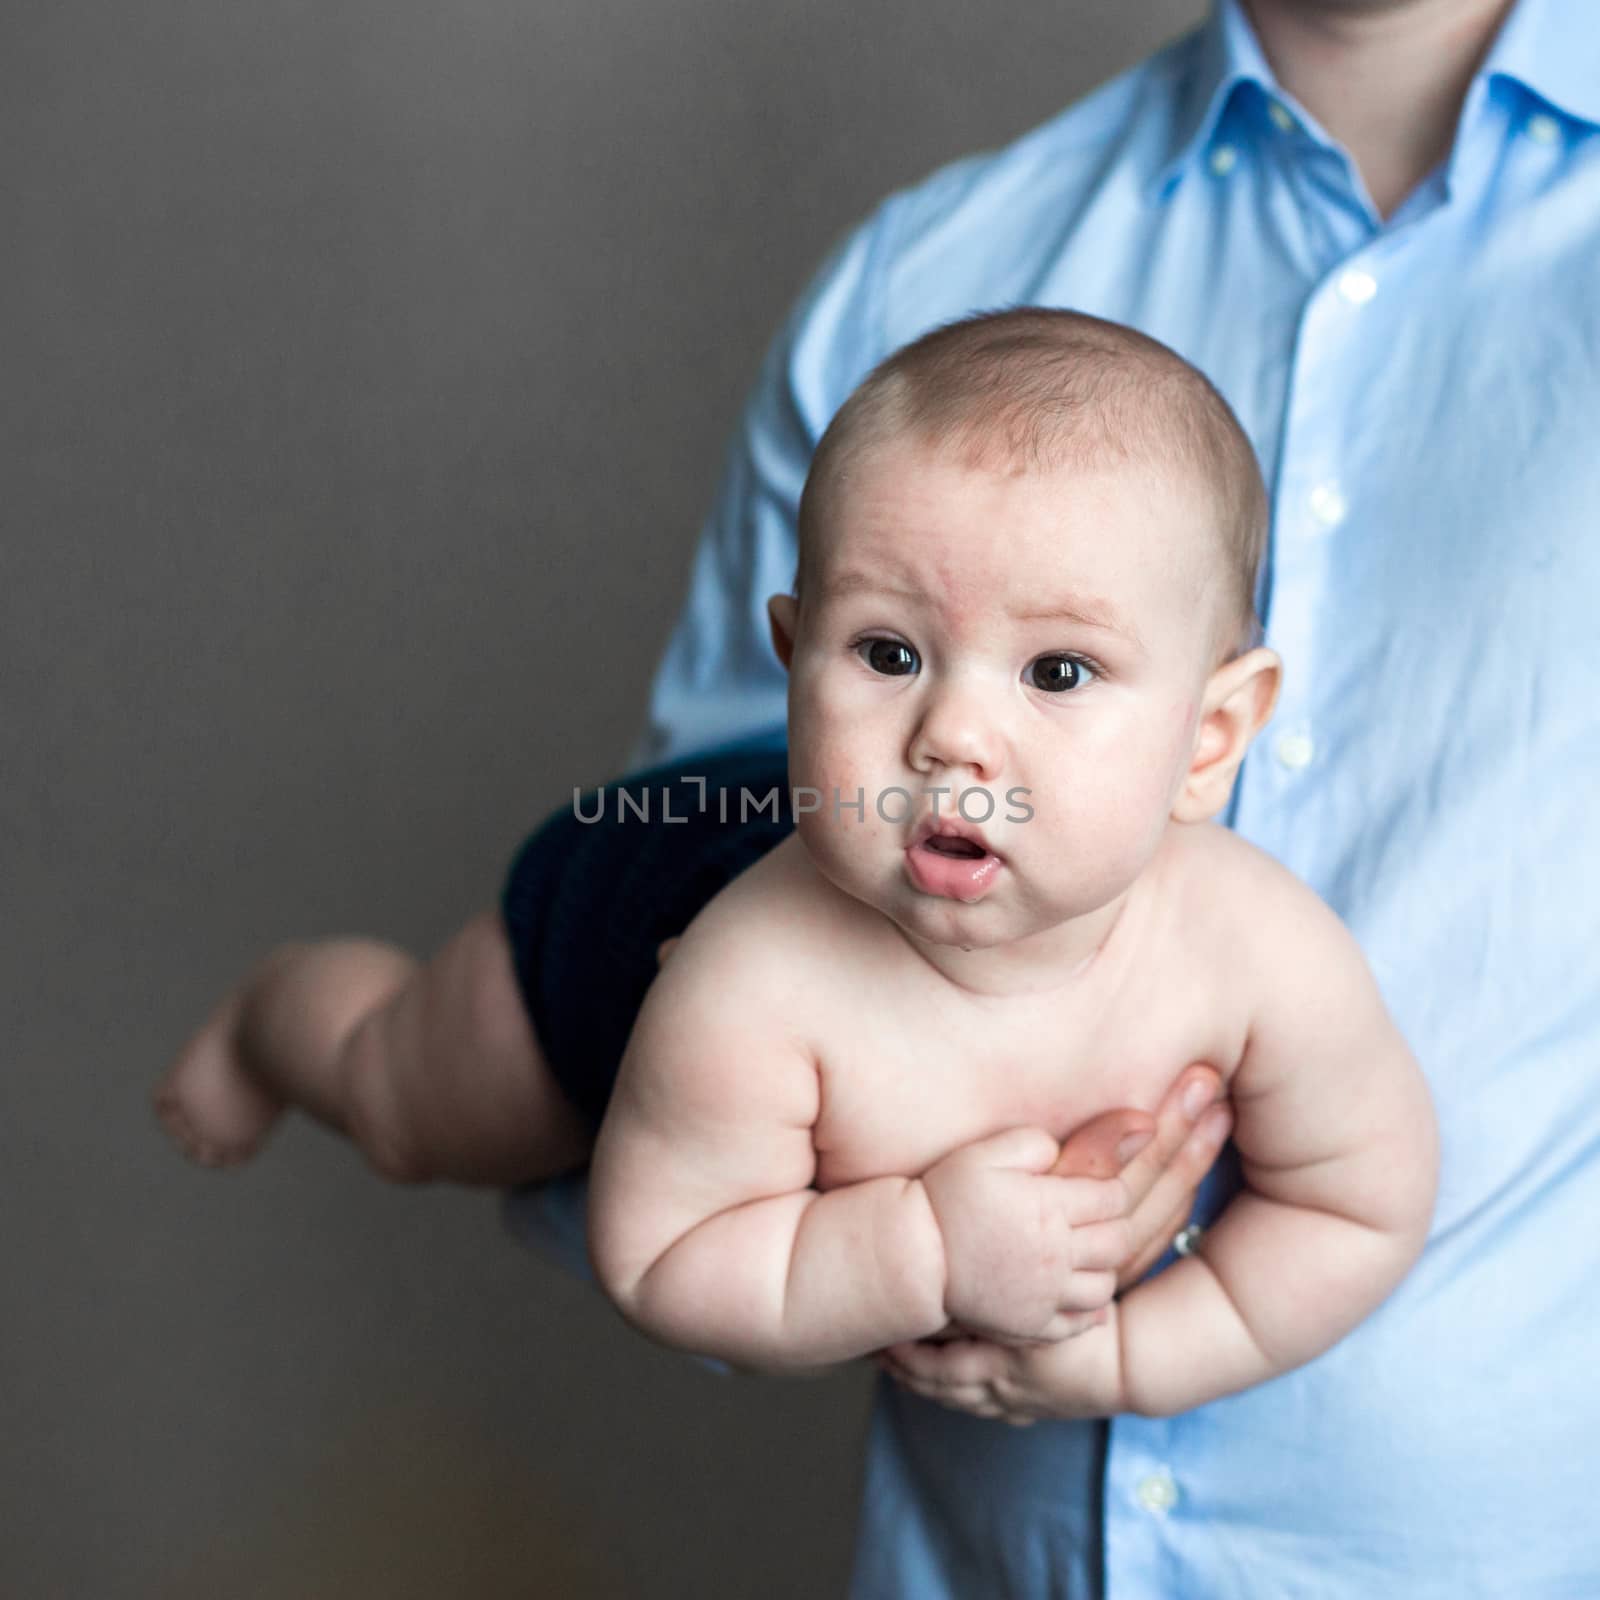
{"points": [[196, 1145], [212, 1108]]}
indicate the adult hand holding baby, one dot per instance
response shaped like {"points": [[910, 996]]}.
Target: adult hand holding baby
{"points": [[1160, 1161], [1187, 1131]]}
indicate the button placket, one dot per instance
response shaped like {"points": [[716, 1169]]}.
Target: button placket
{"points": [[1294, 750], [1357, 286], [1326, 504], [1157, 1492], [1310, 502]]}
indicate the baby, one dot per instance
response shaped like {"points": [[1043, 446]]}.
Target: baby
{"points": [[1019, 685], [1022, 679]]}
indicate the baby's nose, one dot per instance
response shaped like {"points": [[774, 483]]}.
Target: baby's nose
{"points": [[956, 729]]}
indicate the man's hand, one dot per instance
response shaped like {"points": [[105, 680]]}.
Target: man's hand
{"points": [[1160, 1161], [1190, 1127], [1026, 1251]]}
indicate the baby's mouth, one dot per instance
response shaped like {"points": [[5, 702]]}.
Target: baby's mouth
{"points": [[949, 845], [952, 837], [952, 861]]}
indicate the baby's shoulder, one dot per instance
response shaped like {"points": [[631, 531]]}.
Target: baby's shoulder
{"points": [[1233, 887], [778, 928], [1273, 936]]}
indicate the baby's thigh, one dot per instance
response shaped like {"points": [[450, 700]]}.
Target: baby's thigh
{"points": [[450, 1076]]}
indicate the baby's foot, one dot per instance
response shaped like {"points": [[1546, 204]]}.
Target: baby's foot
{"points": [[213, 1107]]}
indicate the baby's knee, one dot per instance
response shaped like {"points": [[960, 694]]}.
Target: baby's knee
{"points": [[375, 1110]]}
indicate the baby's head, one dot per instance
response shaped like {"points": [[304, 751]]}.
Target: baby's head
{"points": [[1028, 555]]}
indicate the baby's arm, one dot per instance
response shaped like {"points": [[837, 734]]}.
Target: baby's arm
{"points": [[706, 1232], [1339, 1150], [703, 1227]]}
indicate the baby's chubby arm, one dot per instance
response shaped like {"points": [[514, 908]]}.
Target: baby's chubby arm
{"points": [[707, 1234], [1339, 1149]]}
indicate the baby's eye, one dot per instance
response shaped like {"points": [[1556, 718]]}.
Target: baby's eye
{"points": [[888, 656], [1056, 674]]}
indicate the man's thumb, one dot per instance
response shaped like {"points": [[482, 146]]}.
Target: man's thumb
{"points": [[1104, 1145]]}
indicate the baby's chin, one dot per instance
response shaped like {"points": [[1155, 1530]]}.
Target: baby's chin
{"points": [[960, 928], [955, 924]]}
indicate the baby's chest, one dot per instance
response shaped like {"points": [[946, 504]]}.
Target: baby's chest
{"points": [[903, 1085]]}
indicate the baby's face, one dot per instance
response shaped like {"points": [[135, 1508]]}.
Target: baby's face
{"points": [[989, 634]]}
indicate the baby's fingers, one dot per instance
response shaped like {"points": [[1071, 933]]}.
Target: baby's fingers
{"points": [[1084, 1291], [957, 1361], [1082, 1201], [1069, 1324], [1103, 1245]]}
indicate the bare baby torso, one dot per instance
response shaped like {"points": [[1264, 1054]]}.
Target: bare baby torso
{"points": [[912, 1066]]}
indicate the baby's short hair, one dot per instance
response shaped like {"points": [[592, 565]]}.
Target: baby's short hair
{"points": [[1032, 389]]}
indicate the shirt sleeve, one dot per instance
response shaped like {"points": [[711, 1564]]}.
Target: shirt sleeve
{"points": [[719, 679]]}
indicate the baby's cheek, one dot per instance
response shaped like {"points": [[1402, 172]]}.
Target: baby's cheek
{"points": [[847, 834], [1101, 824]]}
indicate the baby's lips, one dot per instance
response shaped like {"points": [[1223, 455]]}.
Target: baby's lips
{"points": [[951, 828]]}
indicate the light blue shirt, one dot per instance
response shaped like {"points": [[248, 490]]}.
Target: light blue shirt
{"points": [[1424, 396]]}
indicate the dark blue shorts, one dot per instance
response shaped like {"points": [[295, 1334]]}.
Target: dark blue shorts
{"points": [[587, 902]]}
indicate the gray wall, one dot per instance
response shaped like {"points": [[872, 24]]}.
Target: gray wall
{"points": [[365, 371]]}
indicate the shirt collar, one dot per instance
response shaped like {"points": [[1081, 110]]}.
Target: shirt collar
{"points": [[1224, 56], [1550, 47]]}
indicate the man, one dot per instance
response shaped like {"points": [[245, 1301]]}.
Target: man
{"points": [[1375, 225]]}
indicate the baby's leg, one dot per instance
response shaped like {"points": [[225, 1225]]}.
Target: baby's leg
{"points": [[432, 1070]]}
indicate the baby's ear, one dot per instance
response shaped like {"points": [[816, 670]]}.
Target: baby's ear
{"points": [[782, 610], [1239, 698]]}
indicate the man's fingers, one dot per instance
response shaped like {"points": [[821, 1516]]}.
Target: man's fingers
{"points": [[1174, 1187], [1166, 1206], [1155, 1246], [1196, 1087]]}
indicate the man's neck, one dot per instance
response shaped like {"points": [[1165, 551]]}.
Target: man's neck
{"points": [[1385, 78]]}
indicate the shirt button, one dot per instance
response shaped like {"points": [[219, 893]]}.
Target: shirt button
{"points": [[1327, 504], [1294, 750], [1223, 160], [1357, 286], [1157, 1492], [1281, 118], [1543, 129]]}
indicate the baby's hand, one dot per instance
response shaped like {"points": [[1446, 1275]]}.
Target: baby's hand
{"points": [[1026, 1253], [1073, 1379]]}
